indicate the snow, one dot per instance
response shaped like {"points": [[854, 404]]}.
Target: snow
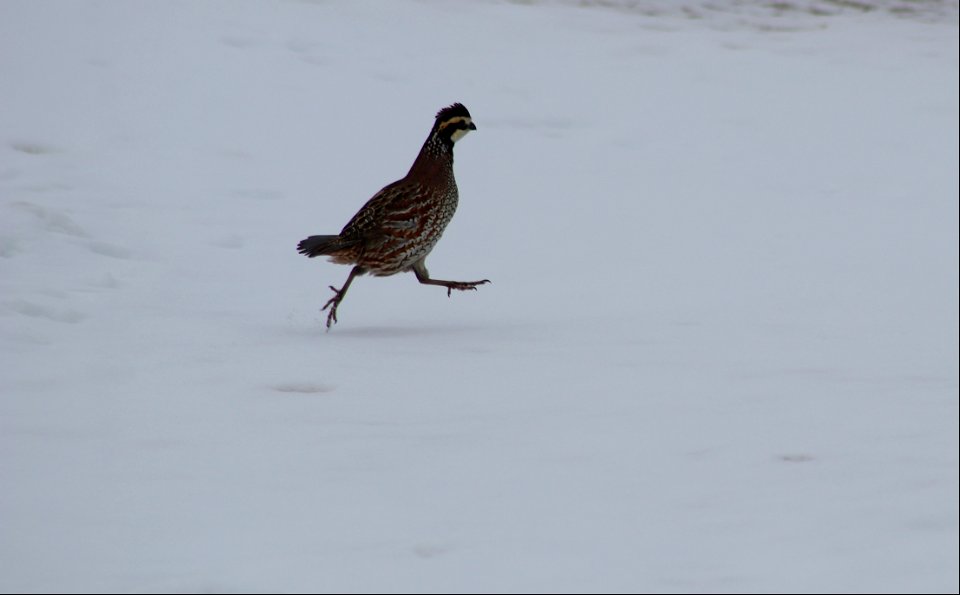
{"points": [[719, 351]]}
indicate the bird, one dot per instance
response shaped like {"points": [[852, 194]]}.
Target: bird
{"points": [[397, 228]]}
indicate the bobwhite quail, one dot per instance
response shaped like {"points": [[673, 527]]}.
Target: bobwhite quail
{"points": [[397, 228]]}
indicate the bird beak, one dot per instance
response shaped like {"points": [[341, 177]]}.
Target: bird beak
{"points": [[472, 126]]}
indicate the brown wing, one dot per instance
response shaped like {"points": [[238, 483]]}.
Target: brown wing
{"points": [[391, 211]]}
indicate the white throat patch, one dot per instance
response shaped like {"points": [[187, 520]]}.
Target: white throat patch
{"points": [[459, 132]]}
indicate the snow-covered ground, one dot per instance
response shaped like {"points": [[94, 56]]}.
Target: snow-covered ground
{"points": [[719, 352]]}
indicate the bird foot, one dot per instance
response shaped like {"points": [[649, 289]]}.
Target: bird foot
{"points": [[332, 303], [463, 285]]}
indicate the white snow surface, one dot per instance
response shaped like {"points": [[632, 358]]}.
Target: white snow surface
{"points": [[718, 353]]}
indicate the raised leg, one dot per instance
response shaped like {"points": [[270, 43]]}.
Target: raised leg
{"points": [[338, 295], [424, 277]]}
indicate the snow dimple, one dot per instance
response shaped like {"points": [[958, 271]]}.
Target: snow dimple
{"points": [[109, 250], [242, 42], [430, 550], [796, 458], [50, 219], [38, 310], [305, 388], [9, 247], [34, 148]]}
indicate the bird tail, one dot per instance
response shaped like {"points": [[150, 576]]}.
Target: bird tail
{"points": [[319, 245]]}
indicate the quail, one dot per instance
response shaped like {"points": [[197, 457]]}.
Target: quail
{"points": [[397, 228]]}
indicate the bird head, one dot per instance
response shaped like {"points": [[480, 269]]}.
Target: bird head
{"points": [[453, 123]]}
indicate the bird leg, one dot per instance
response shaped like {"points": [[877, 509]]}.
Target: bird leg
{"points": [[338, 295], [424, 277]]}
